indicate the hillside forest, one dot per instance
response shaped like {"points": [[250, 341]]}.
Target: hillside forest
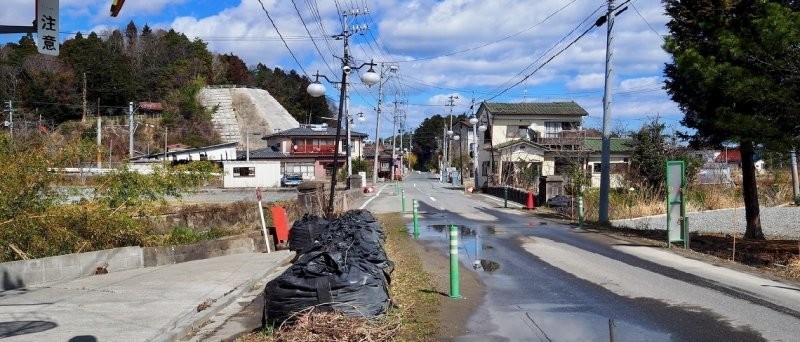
{"points": [[100, 73]]}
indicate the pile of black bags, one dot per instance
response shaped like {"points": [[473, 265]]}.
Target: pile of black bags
{"points": [[340, 266]]}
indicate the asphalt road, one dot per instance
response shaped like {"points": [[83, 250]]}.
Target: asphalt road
{"points": [[551, 282]]}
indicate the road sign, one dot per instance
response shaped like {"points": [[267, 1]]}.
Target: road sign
{"points": [[47, 26]]}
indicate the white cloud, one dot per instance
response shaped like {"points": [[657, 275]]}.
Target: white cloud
{"points": [[586, 81]]}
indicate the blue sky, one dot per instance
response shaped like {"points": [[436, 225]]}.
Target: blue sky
{"points": [[468, 48]]}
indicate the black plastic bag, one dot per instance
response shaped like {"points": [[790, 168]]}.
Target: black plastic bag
{"points": [[327, 281], [305, 231]]}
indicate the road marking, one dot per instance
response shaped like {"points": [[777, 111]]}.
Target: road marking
{"points": [[432, 199], [373, 197]]}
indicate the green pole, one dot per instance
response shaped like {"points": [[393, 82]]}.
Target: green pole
{"points": [[454, 293], [580, 211], [415, 205], [402, 201], [505, 196]]}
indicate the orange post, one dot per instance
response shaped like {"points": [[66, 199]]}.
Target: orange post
{"points": [[530, 204], [281, 225]]}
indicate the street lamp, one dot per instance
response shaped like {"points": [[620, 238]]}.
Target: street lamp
{"points": [[456, 138], [474, 122], [482, 128], [316, 89]]}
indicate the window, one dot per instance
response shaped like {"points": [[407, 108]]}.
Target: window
{"points": [[517, 132], [616, 168], [203, 156], [244, 171], [306, 169], [552, 129]]}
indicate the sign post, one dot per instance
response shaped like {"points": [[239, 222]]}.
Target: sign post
{"points": [[261, 215], [677, 223], [47, 27]]}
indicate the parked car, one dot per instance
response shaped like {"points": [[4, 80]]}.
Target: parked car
{"points": [[559, 201], [291, 180]]}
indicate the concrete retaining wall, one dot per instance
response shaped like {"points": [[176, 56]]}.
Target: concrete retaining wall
{"points": [[23, 273]]}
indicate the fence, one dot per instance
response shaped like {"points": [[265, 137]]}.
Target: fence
{"points": [[514, 194]]}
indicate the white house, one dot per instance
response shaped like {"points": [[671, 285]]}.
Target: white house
{"points": [[251, 174]]}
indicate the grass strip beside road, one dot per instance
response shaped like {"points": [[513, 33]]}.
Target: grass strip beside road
{"points": [[414, 316], [413, 290]]}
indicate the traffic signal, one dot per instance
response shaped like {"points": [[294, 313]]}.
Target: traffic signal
{"points": [[116, 5]]}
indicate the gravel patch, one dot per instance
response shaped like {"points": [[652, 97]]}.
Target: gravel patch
{"points": [[776, 222]]}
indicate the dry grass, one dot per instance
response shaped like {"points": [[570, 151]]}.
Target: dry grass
{"points": [[413, 317], [793, 269], [321, 326], [773, 188]]}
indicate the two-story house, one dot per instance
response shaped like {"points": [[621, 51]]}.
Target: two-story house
{"points": [[309, 150], [526, 140]]}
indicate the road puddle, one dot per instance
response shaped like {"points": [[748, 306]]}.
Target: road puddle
{"points": [[470, 245]]}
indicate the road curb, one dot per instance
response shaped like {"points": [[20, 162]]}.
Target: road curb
{"points": [[193, 320]]}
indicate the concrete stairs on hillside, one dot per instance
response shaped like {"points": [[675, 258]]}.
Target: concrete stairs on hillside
{"points": [[224, 117]]}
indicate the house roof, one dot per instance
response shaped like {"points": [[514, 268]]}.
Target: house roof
{"points": [[617, 144], [264, 153], [312, 132], [520, 141], [535, 108], [730, 155]]}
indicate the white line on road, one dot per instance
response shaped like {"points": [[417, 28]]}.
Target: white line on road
{"points": [[432, 199], [373, 197]]}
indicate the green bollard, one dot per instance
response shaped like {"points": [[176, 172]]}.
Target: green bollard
{"points": [[505, 197], [402, 201], [454, 293], [415, 205], [580, 211]]}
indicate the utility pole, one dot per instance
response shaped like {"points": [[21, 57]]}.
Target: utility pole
{"points": [[349, 140], [795, 180], [130, 129], [450, 104], [83, 118], [401, 131], [605, 158], [394, 134], [375, 166], [99, 141]]}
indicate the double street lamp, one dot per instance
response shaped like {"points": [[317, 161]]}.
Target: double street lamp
{"points": [[316, 89], [475, 128]]}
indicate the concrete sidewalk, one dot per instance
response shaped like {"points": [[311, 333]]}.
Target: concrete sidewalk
{"points": [[147, 304]]}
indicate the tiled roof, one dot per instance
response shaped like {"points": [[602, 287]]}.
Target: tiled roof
{"points": [[617, 144], [264, 153], [308, 132], [520, 141], [536, 108]]}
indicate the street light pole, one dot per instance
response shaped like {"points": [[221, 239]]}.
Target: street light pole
{"points": [[474, 122], [316, 89]]}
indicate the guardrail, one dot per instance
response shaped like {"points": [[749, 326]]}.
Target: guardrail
{"points": [[514, 194]]}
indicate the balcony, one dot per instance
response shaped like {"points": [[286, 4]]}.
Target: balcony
{"points": [[314, 149], [569, 140]]}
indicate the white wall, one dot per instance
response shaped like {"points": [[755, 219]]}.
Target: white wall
{"points": [[267, 174]]}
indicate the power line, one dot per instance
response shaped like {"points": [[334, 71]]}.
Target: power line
{"points": [[550, 49], [283, 40], [312, 40], [544, 64], [489, 43], [646, 22]]}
